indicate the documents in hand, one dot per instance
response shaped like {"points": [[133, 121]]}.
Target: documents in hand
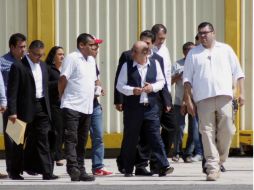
{"points": [[16, 131]]}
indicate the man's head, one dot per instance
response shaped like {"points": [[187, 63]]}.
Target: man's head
{"points": [[95, 50], [160, 32], [86, 44], [17, 45], [148, 37], [187, 47], [206, 34], [139, 52], [36, 51]]}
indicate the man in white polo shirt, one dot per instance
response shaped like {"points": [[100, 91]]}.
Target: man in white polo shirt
{"points": [[76, 88], [209, 71]]}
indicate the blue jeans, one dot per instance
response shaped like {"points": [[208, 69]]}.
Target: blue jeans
{"points": [[96, 134], [193, 140]]}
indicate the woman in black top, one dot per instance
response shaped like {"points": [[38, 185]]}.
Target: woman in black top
{"points": [[54, 61]]}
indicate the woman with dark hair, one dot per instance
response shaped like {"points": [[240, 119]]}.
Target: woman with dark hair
{"points": [[54, 61]]}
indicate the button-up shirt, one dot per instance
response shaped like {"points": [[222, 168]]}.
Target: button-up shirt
{"points": [[3, 101], [5, 62], [142, 69], [37, 74], [164, 53], [81, 76], [211, 72]]}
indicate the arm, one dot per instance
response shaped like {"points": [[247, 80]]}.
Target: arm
{"points": [[3, 101], [12, 92], [240, 86], [187, 99], [62, 82]]}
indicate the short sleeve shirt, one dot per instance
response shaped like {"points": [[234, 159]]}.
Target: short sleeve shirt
{"points": [[81, 76]]}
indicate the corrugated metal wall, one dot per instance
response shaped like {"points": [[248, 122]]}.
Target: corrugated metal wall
{"points": [[115, 21], [247, 119], [13, 18]]}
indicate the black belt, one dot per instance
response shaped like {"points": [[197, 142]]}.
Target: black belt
{"points": [[144, 104]]}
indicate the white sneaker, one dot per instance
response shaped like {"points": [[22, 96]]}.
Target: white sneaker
{"points": [[197, 158]]}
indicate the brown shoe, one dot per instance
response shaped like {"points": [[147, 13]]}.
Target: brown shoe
{"points": [[3, 176], [213, 176]]}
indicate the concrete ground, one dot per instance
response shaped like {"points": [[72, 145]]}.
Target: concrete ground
{"points": [[239, 175]]}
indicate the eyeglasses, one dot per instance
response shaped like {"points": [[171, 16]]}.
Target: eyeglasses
{"points": [[204, 33]]}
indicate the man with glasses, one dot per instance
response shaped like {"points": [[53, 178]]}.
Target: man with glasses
{"points": [[76, 88], [210, 71], [28, 100], [13, 152], [139, 80]]}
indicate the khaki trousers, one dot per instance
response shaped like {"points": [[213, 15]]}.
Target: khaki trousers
{"points": [[217, 129]]}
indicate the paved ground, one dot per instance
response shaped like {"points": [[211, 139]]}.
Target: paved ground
{"points": [[239, 175]]}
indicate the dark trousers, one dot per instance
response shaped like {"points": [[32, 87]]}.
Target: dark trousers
{"points": [[37, 155], [57, 125], [13, 152], [145, 118], [76, 127]]}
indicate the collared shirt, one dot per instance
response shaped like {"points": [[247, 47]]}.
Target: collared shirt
{"points": [[81, 76], [142, 69], [5, 62], [37, 74], [177, 68], [164, 53], [211, 72], [3, 101]]}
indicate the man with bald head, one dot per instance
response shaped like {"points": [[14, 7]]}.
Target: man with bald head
{"points": [[139, 80]]}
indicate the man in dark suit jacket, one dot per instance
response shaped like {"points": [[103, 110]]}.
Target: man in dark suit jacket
{"points": [[28, 101], [143, 153]]}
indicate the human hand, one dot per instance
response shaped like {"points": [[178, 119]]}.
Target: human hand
{"points": [[137, 91], [119, 107], [148, 88], [12, 118]]}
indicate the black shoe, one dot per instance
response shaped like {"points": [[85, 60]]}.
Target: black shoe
{"points": [[16, 177], [165, 171], [187, 159], [31, 173], [85, 177], [120, 165], [128, 175], [49, 177], [222, 168], [142, 171], [204, 170], [74, 174]]}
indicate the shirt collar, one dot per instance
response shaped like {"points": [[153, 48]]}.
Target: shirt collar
{"points": [[80, 55], [30, 61], [138, 65]]}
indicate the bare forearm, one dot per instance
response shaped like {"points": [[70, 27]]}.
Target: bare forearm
{"points": [[62, 82], [187, 92]]}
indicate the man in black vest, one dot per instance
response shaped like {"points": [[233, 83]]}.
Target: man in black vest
{"points": [[143, 153], [140, 80], [28, 100]]}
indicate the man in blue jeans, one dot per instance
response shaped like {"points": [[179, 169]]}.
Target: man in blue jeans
{"points": [[193, 140], [96, 128]]}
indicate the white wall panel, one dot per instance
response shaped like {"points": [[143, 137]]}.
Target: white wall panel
{"points": [[13, 19], [181, 17], [115, 21], [247, 63]]}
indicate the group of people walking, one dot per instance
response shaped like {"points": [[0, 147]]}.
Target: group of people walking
{"points": [[58, 101]]}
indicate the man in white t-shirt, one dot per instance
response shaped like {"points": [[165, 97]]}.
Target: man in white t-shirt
{"points": [[76, 88], [209, 70]]}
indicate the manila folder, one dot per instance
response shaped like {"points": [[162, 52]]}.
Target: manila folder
{"points": [[16, 131]]}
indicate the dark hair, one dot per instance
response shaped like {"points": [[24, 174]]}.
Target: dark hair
{"points": [[36, 44], [158, 27], [84, 38], [51, 55], [147, 34], [187, 45], [204, 24], [197, 37], [15, 38]]}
